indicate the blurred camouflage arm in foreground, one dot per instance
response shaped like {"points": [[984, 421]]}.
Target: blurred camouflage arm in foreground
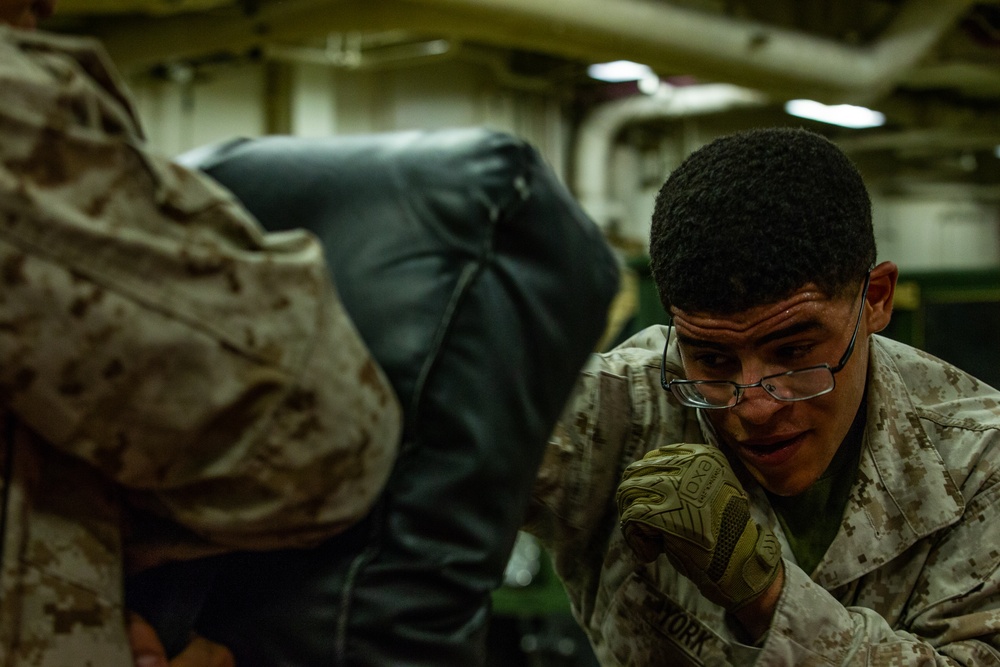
{"points": [[150, 328]]}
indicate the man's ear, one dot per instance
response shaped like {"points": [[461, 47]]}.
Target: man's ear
{"points": [[881, 289]]}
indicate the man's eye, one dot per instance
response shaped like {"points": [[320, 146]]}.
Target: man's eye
{"points": [[714, 361], [795, 352]]}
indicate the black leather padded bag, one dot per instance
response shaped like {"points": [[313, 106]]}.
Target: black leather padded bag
{"points": [[480, 286]]}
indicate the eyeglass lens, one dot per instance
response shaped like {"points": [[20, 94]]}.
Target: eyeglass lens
{"points": [[792, 386]]}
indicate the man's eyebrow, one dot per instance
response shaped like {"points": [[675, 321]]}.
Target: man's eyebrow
{"points": [[777, 334], [690, 341], [791, 330]]}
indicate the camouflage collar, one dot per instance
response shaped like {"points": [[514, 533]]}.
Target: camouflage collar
{"points": [[903, 491]]}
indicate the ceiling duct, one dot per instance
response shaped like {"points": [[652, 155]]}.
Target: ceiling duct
{"points": [[351, 52], [722, 48], [600, 128], [667, 37]]}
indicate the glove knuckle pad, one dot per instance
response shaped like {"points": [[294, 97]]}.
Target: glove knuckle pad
{"points": [[701, 480]]}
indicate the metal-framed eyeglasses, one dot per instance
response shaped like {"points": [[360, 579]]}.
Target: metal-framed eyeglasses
{"points": [[795, 385]]}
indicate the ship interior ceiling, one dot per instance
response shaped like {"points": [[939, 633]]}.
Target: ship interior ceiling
{"points": [[931, 66]]}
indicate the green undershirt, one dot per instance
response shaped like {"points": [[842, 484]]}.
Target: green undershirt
{"points": [[811, 519]]}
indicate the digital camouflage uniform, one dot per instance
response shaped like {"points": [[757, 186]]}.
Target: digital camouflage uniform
{"points": [[151, 335], [911, 577]]}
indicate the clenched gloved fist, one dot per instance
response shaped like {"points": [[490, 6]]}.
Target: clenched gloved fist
{"points": [[684, 500]]}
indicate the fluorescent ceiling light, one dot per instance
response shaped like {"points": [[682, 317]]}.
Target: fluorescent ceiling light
{"points": [[650, 84], [620, 70], [845, 115]]}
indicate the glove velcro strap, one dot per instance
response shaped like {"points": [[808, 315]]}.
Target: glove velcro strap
{"points": [[732, 525], [745, 559], [752, 567]]}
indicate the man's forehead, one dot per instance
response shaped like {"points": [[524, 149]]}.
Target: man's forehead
{"points": [[807, 303]]}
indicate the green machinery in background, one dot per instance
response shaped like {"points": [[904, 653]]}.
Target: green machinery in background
{"points": [[954, 315]]}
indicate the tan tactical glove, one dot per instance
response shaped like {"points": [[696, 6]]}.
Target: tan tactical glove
{"points": [[684, 500]]}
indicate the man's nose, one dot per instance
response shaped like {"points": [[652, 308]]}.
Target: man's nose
{"points": [[756, 406], [753, 369]]}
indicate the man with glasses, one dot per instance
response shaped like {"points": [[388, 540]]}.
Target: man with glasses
{"points": [[796, 489]]}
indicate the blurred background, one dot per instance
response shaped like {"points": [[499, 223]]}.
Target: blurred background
{"points": [[615, 93]]}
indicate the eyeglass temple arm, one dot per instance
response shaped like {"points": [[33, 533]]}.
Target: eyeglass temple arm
{"points": [[857, 327], [663, 357]]}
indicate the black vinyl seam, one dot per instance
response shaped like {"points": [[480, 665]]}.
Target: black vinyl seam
{"points": [[8, 472], [366, 556]]}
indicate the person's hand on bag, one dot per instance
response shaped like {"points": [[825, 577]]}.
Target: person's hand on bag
{"points": [[685, 501], [147, 651]]}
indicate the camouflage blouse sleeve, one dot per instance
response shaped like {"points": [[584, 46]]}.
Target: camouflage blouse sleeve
{"points": [[149, 327], [616, 414]]}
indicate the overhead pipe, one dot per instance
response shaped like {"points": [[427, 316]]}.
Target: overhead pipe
{"points": [[347, 53], [662, 35], [148, 7], [738, 51]]}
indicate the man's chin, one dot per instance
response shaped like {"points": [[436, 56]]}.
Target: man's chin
{"points": [[780, 483]]}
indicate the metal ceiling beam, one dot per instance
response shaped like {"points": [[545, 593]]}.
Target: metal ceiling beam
{"points": [[150, 7], [669, 38], [136, 42], [737, 51]]}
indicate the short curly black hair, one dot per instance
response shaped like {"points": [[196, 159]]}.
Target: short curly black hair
{"points": [[751, 217]]}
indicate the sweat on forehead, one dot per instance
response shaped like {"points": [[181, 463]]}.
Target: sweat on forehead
{"points": [[806, 305]]}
